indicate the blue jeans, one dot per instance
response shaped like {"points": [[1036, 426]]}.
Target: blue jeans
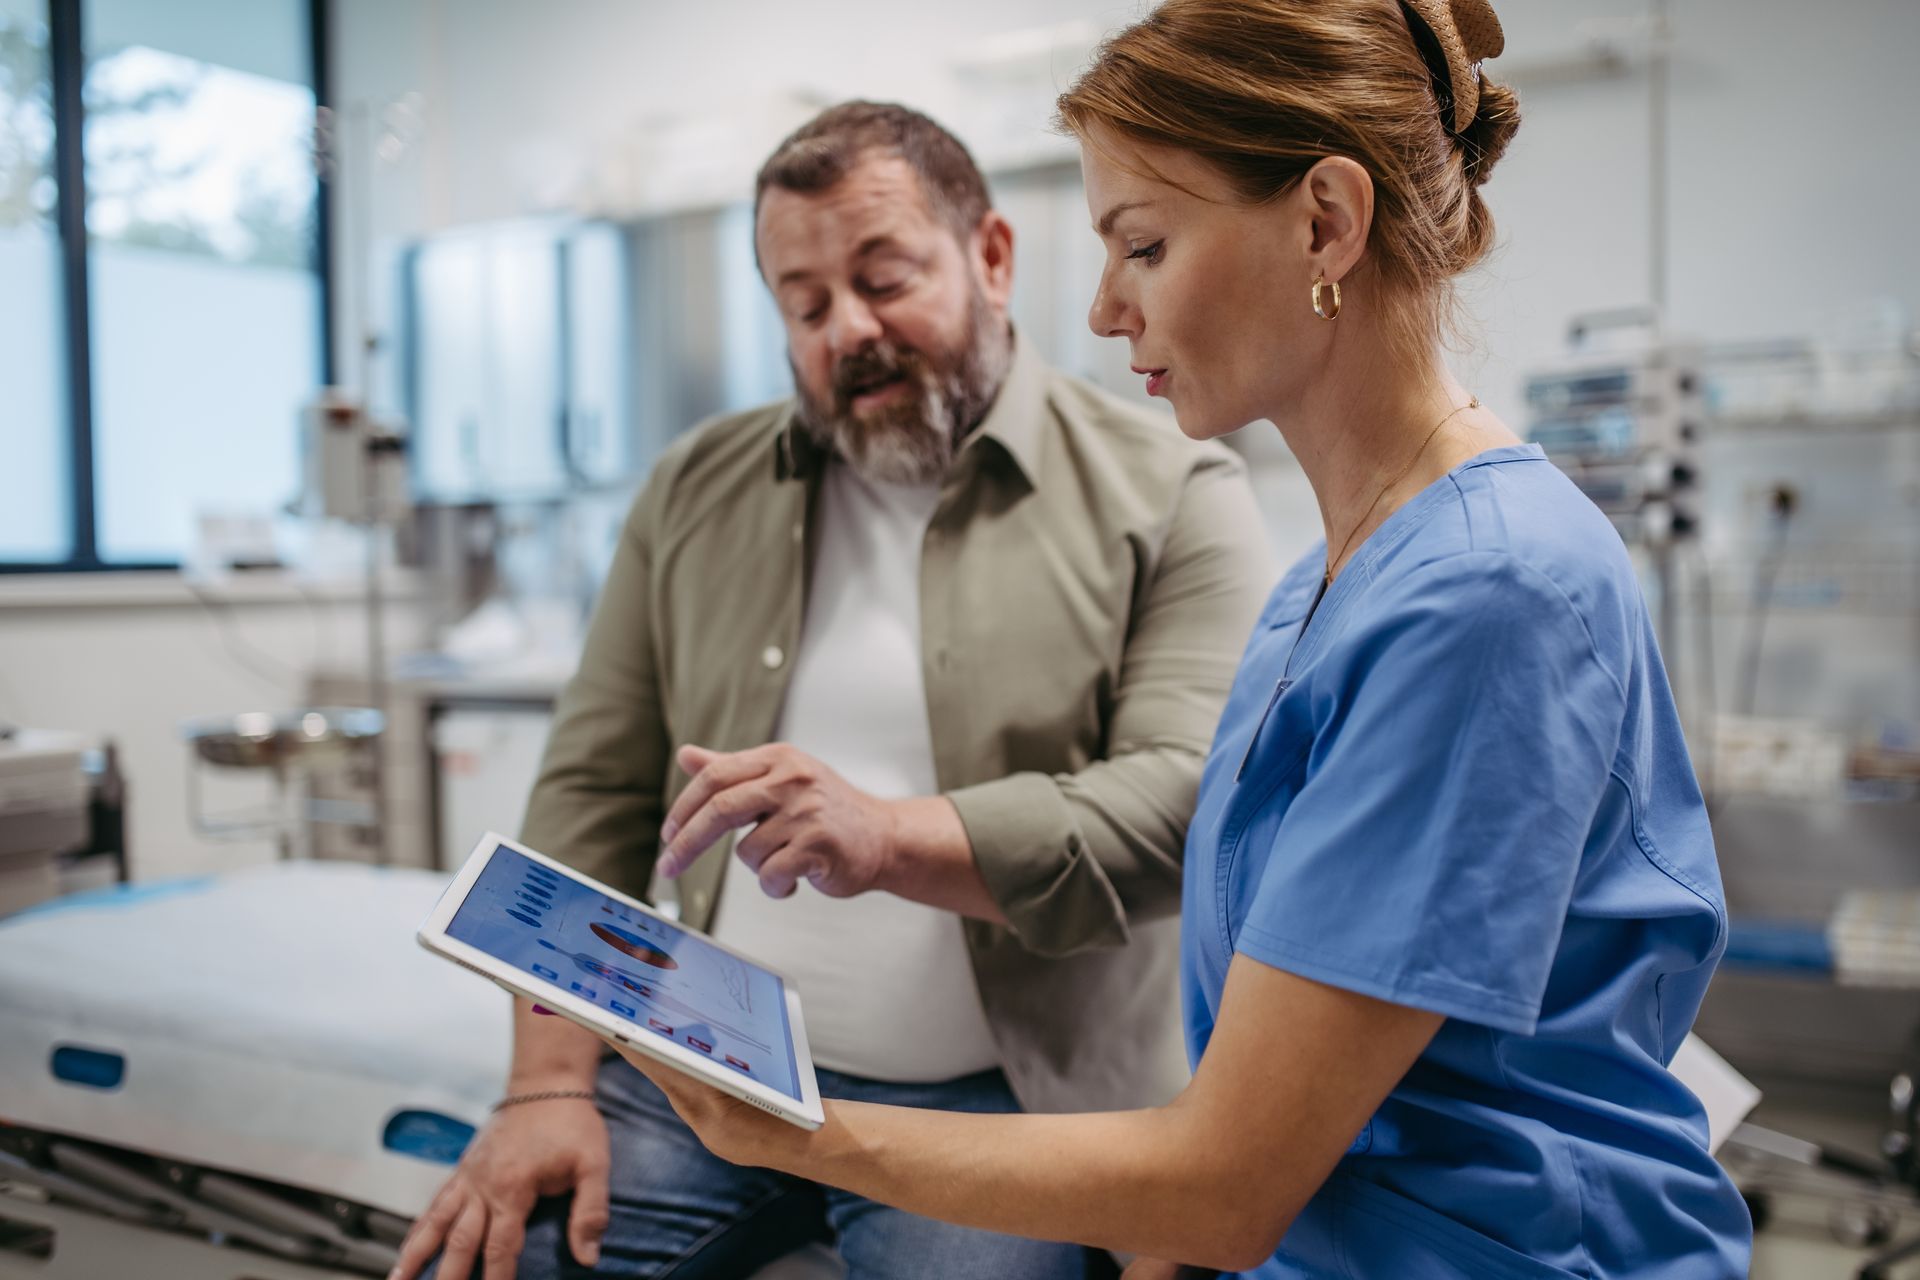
{"points": [[680, 1212]]}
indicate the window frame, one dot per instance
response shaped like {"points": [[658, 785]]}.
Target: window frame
{"points": [[67, 55]]}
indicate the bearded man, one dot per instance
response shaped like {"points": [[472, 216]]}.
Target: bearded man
{"points": [[929, 658]]}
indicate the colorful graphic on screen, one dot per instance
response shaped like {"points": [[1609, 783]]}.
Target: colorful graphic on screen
{"points": [[684, 988], [626, 944]]}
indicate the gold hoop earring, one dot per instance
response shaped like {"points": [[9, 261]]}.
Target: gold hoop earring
{"points": [[1319, 307]]}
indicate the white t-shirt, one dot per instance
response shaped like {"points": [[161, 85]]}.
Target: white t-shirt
{"points": [[886, 984]]}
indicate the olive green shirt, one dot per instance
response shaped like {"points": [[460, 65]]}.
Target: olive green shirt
{"points": [[1087, 582]]}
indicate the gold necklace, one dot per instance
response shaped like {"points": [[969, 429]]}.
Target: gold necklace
{"points": [[1473, 402]]}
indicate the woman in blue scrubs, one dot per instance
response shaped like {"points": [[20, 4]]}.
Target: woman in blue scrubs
{"points": [[1451, 900]]}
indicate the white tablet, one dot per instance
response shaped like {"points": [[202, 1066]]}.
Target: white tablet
{"points": [[621, 969]]}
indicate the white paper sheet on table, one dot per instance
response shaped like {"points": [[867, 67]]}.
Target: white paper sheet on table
{"points": [[1727, 1095]]}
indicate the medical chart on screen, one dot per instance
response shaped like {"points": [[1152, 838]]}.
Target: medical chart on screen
{"points": [[666, 982]]}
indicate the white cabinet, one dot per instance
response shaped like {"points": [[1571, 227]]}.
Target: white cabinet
{"points": [[486, 760], [525, 378], [707, 335], [519, 346], [551, 355], [447, 379], [597, 285]]}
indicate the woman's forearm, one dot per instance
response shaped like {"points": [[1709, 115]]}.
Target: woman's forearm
{"points": [[1215, 1177], [1138, 1181]]}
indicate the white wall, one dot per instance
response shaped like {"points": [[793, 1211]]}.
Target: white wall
{"points": [[1794, 178]]}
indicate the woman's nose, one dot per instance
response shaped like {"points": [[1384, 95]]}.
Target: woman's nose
{"points": [[1110, 316]]}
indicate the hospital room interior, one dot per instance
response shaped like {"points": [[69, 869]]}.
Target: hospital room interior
{"points": [[340, 338]]}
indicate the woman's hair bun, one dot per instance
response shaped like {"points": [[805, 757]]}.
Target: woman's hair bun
{"points": [[1495, 120]]}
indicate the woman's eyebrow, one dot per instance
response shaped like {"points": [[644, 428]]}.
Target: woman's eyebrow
{"points": [[1107, 219]]}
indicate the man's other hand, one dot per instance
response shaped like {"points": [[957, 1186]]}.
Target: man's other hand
{"points": [[546, 1148]]}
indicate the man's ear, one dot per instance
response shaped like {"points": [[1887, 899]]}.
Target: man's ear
{"points": [[992, 250], [1338, 195]]}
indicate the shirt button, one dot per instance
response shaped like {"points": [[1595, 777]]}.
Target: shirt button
{"points": [[799, 532], [772, 656]]}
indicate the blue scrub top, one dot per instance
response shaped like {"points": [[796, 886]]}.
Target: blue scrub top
{"points": [[1465, 790]]}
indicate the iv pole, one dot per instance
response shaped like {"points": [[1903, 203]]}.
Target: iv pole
{"points": [[370, 501]]}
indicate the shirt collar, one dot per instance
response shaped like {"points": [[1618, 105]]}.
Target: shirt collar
{"points": [[1013, 423], [795, 455]]}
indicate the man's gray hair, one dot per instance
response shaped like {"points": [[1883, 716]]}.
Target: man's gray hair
{"points": [[817, 155]]}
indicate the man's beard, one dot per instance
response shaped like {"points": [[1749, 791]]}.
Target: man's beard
{"points": [[911, 439]]}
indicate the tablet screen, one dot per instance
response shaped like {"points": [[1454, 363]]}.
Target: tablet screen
{"points": [[657, 976]]}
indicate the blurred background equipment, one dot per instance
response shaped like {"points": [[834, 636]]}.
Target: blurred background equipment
{"points": [[1770, 492], [295, 750], [1625, 422], [62, 815]]}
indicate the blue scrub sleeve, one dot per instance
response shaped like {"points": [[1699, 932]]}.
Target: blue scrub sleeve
{"points": [[1464, 732]]}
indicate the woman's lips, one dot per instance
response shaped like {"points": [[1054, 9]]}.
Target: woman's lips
{"points": [[1156, 379]]}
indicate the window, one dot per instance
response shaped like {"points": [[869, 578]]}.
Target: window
{"points": [[190, 138], [35, 520]]}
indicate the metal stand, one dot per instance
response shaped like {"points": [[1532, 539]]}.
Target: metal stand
{"points": [[1902, 1149], [1879, 1191], [53, 1238], [357, 466], [292, 746]]}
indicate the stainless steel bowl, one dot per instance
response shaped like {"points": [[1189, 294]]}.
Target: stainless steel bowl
{"points": [[272, 739]]}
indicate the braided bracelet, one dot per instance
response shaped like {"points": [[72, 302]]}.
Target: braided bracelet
{"points": [[545, 1095]]}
